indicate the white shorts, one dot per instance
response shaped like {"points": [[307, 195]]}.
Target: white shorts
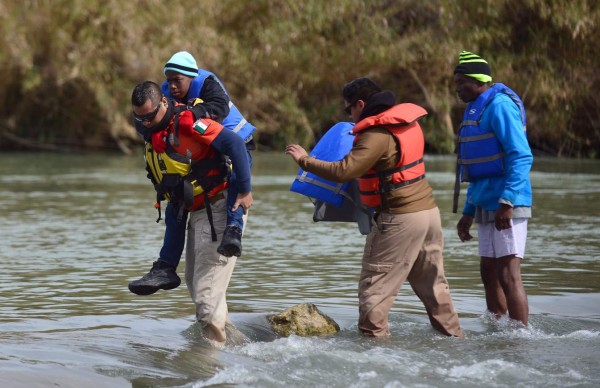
{"points": [[507, 242]]}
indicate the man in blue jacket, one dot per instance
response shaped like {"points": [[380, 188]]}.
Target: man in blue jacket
{"points": [[495, 158]]}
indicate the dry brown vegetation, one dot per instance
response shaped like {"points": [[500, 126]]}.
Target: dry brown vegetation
{"points": [[69, 66]]}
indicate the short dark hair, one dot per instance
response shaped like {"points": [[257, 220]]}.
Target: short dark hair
{"points": [[360, 89], [144, 91]]}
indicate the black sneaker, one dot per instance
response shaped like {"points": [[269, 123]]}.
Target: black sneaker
{"points": [[161, 276], [231, 244]]}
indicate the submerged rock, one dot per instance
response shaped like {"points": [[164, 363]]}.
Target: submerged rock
{"points": [[304, 320], [234, 336]]}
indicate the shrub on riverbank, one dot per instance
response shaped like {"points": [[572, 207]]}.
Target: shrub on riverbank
{"points": [[70, 65]]}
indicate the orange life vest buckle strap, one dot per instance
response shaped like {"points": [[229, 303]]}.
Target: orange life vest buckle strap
{"points": [[157, 206], [392, 171], [391, 186]]}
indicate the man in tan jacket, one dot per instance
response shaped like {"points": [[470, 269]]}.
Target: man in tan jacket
{"points": [[406, 240]]}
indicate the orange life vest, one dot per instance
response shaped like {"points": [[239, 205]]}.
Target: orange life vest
{"points": [[401, 121]]}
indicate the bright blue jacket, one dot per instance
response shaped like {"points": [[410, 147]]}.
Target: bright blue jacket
{"points": [[234, 120], [503, 117]]}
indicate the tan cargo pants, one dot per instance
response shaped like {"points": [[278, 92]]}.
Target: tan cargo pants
{"points": [[399, 247], [207, 273]]}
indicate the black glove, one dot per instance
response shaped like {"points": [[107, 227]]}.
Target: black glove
{"points": [[197, 108]]}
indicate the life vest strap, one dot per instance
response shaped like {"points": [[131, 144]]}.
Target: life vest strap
{"points": [[188, 194], [391, 171], [481, 160], [157, 206], [304, 178], [240, 125], [456, 193], [469, 122], [213, 233], [151, 172], [176, 124], [207, 202], [483, 136], [160, 164], [391, 187]]}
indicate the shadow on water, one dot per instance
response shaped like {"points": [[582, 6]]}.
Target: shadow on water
{"points": [[77, 228]]}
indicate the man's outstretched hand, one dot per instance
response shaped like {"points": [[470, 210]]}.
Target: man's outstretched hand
{"points": [[296, 152]]}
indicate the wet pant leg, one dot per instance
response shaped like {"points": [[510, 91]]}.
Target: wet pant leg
{"points": [[390, 250], [234, 218], [428, 280], [207, 273], [174, 239], [393, 248]]}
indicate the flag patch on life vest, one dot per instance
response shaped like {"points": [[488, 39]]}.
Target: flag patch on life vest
{"points": [[201, 126]]}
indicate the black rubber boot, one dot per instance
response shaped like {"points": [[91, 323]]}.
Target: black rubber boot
{"points": [[231, 244], [161, 276]]}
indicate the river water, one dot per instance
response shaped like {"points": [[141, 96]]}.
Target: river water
{"points": [[77, 228]]}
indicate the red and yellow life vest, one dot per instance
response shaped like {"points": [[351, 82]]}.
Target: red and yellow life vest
{"points": [[401, 121], [189, 167]]}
